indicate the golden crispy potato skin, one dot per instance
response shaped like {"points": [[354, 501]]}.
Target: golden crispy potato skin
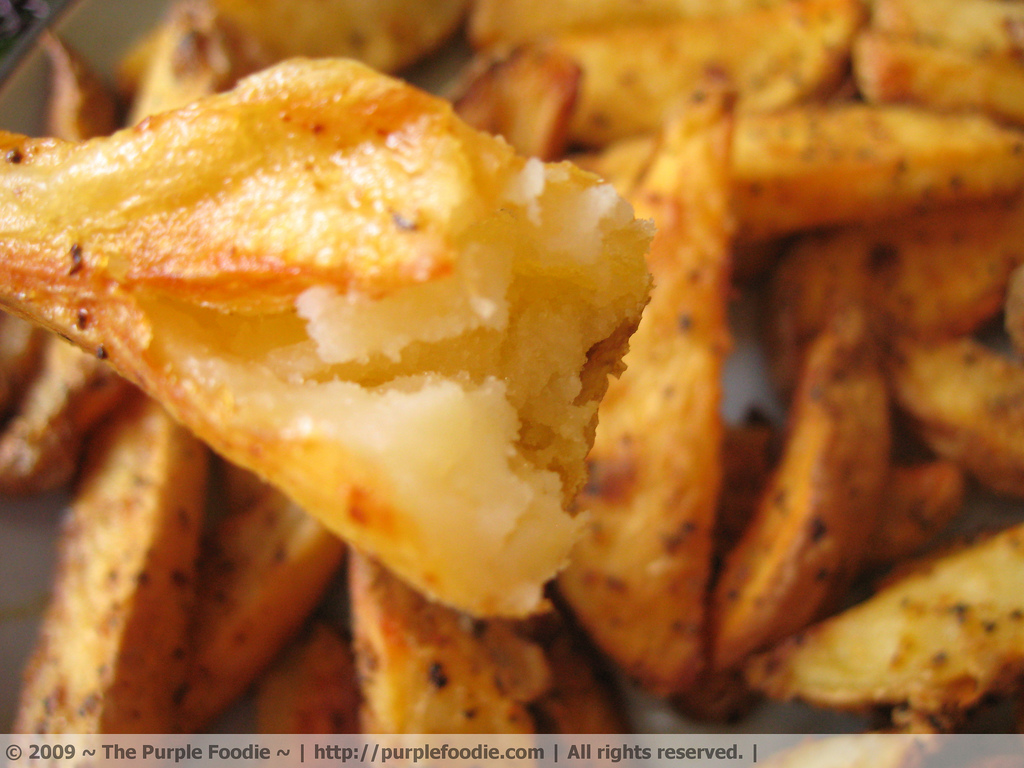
{"points": [[425, 668], [111, 651], [391, 316], [816, 516], [942, 637], [637, 580], [965, 399]]}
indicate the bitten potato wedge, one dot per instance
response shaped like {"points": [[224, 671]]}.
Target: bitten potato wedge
{"points": [[905, 70], [637, 580], [974, 26], [943, 637], [80, 105], [495, 22], [965, 399], [194, 53], [262, 570], [312, 688], [816, 516], [392, 317], [920, 501], [526, 97], [41, 445], [846, 163], [938, 274], [426, 668], [391, 36], [110, 655], [635, 75]]}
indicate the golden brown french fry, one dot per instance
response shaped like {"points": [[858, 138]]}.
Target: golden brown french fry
{"points": [[426, 668], [1013, 319], [312, 688], [111, 650], [905, 70], [865, 750], [261, 572], [527, 97], [920, 500], [194, 53], [363, 316], [636, 582], [21, 347], [634, 76], [41, 445], [493, 22], [813, 166], [938, 274], [942, 638], [965, 400], [974, 26], [390, 36], [581, 697], [813, 524], [80, 105]]}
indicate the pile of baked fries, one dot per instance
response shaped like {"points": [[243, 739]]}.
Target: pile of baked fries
{"points": [[854, 166]]}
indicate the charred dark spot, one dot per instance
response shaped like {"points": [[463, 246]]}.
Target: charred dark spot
{"points": [[89, 705], [960, 610], [989, 626], [76, 259], [317, 129], [82, 320], [881, 256], [180, 579], [101, 352], [179, 694], [818, 529], [685, 322], [674, 541], [142, 578], [940, 658], [437, 676], [14, 156], [612, 478]]}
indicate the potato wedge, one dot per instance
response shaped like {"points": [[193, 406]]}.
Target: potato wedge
{"points": [[494, 22], [111, 650], [312, 688], [582, 696], [634, 76], [965, 399], [391, 35], [816, 516], [426, 668], [942, 638], [1013, 318], [21, 347], [262, 570], [920, 501], [526, 97], [904, 70], [41, 445], [637, 580], [973, 26], [934, 275], [195, 53], [846, 163], [392, 317], [80, 105]]}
